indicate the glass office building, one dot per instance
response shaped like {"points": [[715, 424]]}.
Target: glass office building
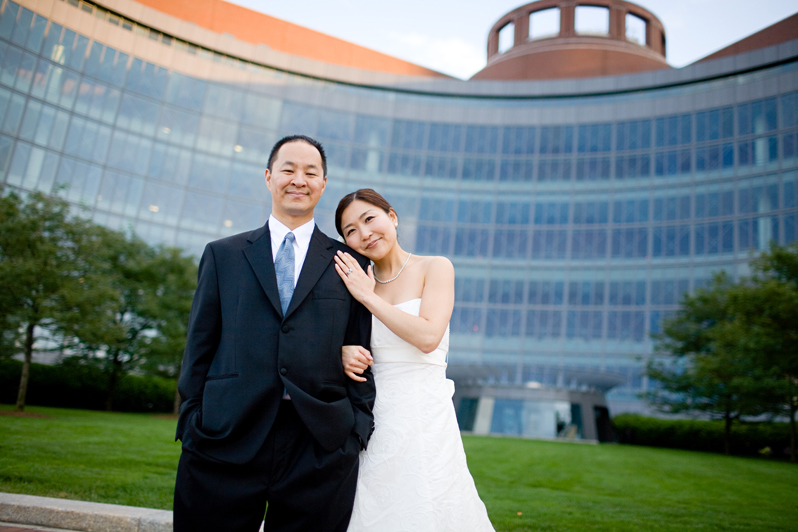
{"points": [[576, 212]]}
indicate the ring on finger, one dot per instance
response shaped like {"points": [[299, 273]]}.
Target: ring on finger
{"points": [[348, 272]]}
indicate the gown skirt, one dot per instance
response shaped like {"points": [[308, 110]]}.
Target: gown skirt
{"points": [[414, 477]]}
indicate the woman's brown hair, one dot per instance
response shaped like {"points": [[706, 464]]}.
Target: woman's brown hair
{"points": [[364, 194]]}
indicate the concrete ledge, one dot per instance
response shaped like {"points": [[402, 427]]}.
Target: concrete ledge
{"points": [[82, 516]]}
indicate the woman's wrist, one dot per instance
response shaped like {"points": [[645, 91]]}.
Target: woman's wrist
{"points": [[369, 300]]}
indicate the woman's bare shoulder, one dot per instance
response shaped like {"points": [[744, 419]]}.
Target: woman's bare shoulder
{"points": [[436, 265], [432, 260]]}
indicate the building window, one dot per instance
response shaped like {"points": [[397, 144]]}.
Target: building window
{"points": [[592, 20], [506, 37], [544, 23], [635, 29]]}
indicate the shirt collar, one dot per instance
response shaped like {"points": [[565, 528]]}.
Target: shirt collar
{"points": [[302, 234]]}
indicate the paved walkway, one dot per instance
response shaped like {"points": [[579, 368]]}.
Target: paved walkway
{"points": [[15, 527], [27, 513]]}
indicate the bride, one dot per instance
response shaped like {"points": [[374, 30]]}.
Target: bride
{"points": [[413, 476]]}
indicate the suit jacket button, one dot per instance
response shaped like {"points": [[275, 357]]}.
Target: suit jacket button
{"points": [[283, 371], [285, 328]]}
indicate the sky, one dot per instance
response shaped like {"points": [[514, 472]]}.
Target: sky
{"points": [[450, 36]]}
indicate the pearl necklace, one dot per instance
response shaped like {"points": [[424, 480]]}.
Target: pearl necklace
{"points": [[395, 276]]}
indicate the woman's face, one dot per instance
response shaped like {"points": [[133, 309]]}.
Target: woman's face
{"points": [[368, 229]]}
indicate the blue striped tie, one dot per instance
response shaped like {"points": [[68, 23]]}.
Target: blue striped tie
{"points": [[284, 268]]}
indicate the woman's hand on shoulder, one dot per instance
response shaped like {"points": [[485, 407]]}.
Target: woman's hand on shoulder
{"points": [[355, 359], [359, 283]]}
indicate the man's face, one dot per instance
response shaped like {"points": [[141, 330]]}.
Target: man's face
{"points": [[296, 182]]}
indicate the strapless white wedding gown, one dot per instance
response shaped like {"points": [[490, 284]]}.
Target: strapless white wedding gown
{"points": [[413, 476]]}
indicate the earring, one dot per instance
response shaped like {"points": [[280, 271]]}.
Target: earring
{"points": [[396, 224]]}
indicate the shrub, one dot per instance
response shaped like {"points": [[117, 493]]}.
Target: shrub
{"points": [[74, 384], [135, 393], [698, 435]]}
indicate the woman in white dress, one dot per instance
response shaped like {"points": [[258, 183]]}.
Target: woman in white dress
{"points": [[413, 476]]}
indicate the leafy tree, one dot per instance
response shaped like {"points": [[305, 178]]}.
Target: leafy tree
{"points": [[767, 306], [143, 325], [780, 263], [164, 354], [67, 283], [45, 274], [734, 346], [709, 369], [113, 336]]}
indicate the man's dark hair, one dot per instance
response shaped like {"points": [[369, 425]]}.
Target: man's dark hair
{"points": [[298, 138]]}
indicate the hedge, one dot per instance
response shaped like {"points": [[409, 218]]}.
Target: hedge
{"points": [[73, 384], [695, 435]]}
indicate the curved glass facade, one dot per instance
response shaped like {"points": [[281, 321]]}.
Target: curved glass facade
{"points": [[575, 223]]}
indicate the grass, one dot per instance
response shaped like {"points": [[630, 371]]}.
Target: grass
{"points": [[571, 487], [131, 459], [86, 455]]}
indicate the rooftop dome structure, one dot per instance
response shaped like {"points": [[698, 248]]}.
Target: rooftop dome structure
{"points": [[554, 39]]}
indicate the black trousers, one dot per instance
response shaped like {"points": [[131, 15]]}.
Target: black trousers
{"points": [[307, 488]]}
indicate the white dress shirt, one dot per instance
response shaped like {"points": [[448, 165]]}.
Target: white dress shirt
{"points": [[302, 235]]}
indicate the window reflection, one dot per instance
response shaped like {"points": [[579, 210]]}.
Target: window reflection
{"points": [[87, 139], [209, 173], [170, 163], [82, 180], [147, 79], [129, 152], [161, 203], [177, 126], [201, 212]]}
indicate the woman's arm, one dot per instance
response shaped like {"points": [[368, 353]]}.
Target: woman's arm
{"points": [[424, 331]]}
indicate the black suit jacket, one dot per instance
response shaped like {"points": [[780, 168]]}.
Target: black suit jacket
{"points": [[242, 353]]}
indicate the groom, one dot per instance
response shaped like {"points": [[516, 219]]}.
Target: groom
{"points": [[268, 414]]}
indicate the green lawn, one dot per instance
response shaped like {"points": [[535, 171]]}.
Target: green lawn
{"points": [[131, 459]]}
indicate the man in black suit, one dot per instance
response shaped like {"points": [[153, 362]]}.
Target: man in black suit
{"points": [[268, 414]]}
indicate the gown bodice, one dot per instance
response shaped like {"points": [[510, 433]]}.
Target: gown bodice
{"points": [[387, 347]]}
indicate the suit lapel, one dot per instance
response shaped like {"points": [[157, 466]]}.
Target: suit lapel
{"points": [[320, 253], [259, 255]]}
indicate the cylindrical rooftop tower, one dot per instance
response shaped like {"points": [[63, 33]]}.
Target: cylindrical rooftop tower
{"points": [[553, 39]]}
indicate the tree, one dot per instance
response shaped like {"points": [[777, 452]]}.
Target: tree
{"points": [[767, 306], [163, 356], [143, 326], [734, 346], [67, 283], [113, 335], [44, 275], [709, 370]]}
